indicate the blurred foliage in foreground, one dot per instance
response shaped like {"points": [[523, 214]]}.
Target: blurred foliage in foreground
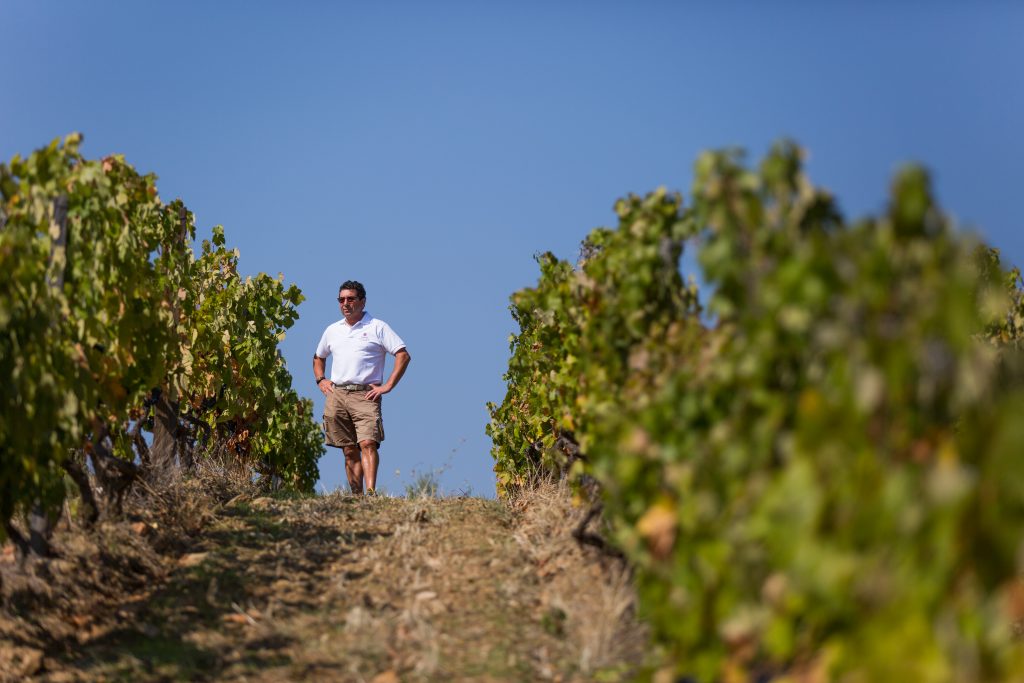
{"points": [[820, 476]]}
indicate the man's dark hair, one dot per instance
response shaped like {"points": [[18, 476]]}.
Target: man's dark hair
{"points": [[357, 287]]}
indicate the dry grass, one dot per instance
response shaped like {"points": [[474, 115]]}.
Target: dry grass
{"points": [[591, 592], [177, 509], [53, 604], [248, 587], [413, 563]]}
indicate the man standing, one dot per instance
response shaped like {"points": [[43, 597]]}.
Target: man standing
{"points": [[352, 413]]}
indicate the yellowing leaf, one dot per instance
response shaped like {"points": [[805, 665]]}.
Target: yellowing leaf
{"points": [[657, 526]]}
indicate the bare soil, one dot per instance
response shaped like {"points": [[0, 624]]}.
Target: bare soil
{"points": [[330, 588]]}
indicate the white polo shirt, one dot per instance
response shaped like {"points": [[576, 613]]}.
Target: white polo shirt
{"points": [[359, 349]]}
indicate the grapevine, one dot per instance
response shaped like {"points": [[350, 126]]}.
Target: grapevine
{"points": [[818, 473], [110, 326]]}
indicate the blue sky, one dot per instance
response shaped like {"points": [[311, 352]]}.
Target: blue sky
{"points": [[429, 150]]}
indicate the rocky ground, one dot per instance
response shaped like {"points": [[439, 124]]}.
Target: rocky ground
{"points": [[330, 588]]}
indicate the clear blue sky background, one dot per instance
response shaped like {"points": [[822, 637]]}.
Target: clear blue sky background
{"points": [[430, 149]]}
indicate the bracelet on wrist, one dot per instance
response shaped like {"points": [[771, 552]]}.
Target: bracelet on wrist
{"points": [[320, 379]]}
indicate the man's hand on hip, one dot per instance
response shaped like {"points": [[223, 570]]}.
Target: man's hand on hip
{"points": [[326, 387], [376, 392]]}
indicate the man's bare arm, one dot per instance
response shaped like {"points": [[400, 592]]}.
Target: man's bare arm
{"points": [[402, 359], [319, 368]]}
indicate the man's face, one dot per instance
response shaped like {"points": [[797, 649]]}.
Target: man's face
{"points": [[350, 303]]}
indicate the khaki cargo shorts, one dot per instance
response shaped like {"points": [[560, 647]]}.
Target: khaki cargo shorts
{"points": [[349, 418]]}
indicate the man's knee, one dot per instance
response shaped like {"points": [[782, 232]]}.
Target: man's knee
{"points": [[351, 452], [368, 445]]}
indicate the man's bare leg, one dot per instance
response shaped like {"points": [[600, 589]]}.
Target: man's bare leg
{"points": [[370, 461], [354, 469]]}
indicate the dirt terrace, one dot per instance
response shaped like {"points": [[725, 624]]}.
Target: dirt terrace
{"points": [[333, 588]]}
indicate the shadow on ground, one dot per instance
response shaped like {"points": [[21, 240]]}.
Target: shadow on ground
{"points": [[256, 566]]}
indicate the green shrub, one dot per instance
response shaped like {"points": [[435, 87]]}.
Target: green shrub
{"points": [[581, 331], [823, 477], [95, 326]]}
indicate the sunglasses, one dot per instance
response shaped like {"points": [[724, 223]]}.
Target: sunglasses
{"points": [[343, 299]]}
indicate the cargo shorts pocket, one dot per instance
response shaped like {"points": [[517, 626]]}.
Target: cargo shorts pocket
{"points": [[328, 441]]}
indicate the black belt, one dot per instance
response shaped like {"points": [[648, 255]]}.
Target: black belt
{"points": [[353, 387]]}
